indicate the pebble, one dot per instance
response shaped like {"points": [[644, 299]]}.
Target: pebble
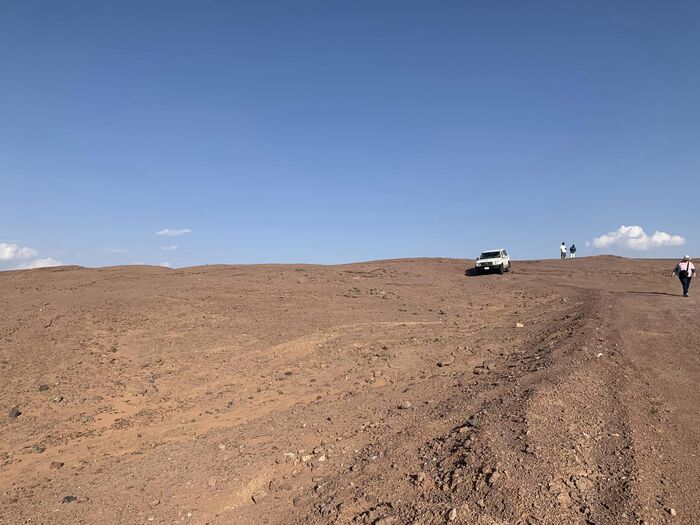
{"points": [[327, 510], [452, 515], [69, 499], [14, 412], [420, 477], [56, 465], [259, 496], [405, 405], [519, 325], [43, 388], [672, 511], [474, 421]]}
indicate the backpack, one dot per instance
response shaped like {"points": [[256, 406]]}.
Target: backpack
{"points": [[684, 273]]}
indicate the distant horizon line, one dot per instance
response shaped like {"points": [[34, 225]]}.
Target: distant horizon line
{"points": [[64, 267]]}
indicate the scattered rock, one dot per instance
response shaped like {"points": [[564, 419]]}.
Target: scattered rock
{"points": [[58, 399], [43, 388], [300, 501], [38, 449], [474, 421], [672, 511], [564, 498], [519, 325], [494, 477], [452, 515], [68, 499], [15, 412], [445, 362], [259, 496], [405, 405], [327, 510], [419, 478], [56, 465]]}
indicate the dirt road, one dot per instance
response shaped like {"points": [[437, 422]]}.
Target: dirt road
{"points": [[389, 392]]}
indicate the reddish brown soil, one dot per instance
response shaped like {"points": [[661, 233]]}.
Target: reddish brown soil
{"points": [[389, 392]]}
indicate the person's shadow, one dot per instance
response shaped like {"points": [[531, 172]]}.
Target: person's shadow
{"points": [[652, 293]]}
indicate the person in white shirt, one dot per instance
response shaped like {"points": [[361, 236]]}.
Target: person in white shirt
{"points": [[562, 248], [685, 270]]}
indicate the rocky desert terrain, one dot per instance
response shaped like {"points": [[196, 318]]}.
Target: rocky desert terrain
{"points": [[388, 392]]}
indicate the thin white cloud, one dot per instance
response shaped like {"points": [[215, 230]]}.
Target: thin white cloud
{"points": [[166, 264], [112, 249], [10, 251], [635, 238], [173, 233], [39, 263], [170, 248]]}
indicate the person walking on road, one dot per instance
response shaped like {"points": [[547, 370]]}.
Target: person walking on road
{"points": [[685, 270], [562, 248], [572, 251]]}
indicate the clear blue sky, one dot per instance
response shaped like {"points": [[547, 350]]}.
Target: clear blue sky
{"points": [[344, 131]]}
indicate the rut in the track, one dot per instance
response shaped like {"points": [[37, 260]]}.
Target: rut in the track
{"points": [[552, 449]]}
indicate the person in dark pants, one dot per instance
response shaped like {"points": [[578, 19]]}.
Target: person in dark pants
{"points": [[685, 270]]}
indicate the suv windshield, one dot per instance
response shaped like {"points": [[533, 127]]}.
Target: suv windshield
{"points": [[490, 255]]}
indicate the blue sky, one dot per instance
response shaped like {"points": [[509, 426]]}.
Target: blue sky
{"points": [[344, 131]]}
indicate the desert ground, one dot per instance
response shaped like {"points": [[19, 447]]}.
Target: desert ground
{"points": [[388, 392]]}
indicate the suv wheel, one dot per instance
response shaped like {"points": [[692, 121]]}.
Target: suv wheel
{"points": [[502, 269]]}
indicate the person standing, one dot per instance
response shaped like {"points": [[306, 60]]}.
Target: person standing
{"points": [[685, 270], [572, 251], [562, 249]]}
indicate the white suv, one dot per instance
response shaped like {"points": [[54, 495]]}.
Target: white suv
{"points": [[493, 261]]}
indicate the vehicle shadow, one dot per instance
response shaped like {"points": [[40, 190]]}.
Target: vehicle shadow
{"points": [[470, 272]]}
